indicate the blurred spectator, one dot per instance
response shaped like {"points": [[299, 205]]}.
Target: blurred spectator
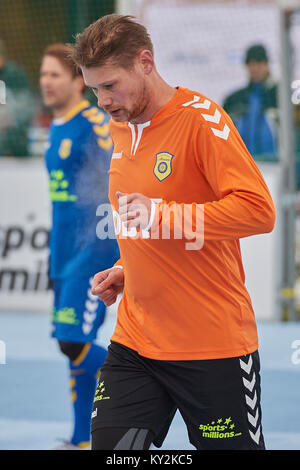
{"points": [[254, 107], [16, 114]]}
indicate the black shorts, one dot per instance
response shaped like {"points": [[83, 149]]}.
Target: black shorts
{"points": [[219, 399]]}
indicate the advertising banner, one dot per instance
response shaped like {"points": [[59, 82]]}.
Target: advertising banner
{"points": [[202, 45], [24, 234]]}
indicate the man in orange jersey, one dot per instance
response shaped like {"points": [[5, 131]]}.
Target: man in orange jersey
{"points": [[184, 189]]}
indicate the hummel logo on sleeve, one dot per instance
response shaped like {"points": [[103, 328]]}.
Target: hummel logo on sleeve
{"points": [[214, 118]]}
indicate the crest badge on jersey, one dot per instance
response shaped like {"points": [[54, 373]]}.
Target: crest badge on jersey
{"points": [[65, 148], [163, 165]]}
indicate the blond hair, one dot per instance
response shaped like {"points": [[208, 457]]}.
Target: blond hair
{"points": [[112, 38]]}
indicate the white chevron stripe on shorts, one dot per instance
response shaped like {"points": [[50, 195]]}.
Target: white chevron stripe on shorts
{"points": [[251, 400], [89, 315]]}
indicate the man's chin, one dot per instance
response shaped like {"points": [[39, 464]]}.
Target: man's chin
{"points": [[117, 119], [49, 103]]}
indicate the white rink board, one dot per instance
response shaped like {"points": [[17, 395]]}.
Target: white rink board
{"points": [[24, 225], [262, 255]]}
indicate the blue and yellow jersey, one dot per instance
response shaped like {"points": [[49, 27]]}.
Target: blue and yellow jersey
{"points": [[78, 159]]}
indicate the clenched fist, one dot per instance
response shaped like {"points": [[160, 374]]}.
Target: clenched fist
{"points": [[134, 210], [108, 284]]}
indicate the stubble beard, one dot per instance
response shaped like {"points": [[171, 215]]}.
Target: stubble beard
{"points": [[136, 115]]}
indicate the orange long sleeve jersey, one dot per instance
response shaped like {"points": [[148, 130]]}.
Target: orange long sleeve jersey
{"points": [[185, 298]]}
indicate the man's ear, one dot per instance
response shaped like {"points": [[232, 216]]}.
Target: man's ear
{"points": [[145, 58], [80, 83]]}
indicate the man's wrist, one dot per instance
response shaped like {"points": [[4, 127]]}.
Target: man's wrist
{"points": [[151, 218]]}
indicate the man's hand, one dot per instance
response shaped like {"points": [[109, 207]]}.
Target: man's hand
{"points": [[134, 210], [108, 284]]}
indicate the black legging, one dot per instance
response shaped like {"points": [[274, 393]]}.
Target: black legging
{"points": [[122, 439], [70, 349]]}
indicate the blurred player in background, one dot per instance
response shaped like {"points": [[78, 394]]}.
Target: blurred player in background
{"points": [[77, 158], [186, 334]]}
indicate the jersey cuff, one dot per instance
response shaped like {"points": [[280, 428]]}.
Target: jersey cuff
{"points": [[152, 213]]}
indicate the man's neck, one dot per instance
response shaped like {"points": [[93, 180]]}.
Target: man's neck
{"points": [[160, 93], [62, 111]]}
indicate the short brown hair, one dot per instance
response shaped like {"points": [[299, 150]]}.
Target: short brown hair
{"points": [[115, 38], [63, 53]]}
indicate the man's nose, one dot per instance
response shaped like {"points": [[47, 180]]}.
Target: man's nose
{"points": [[44, 83], [104, 101]]}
